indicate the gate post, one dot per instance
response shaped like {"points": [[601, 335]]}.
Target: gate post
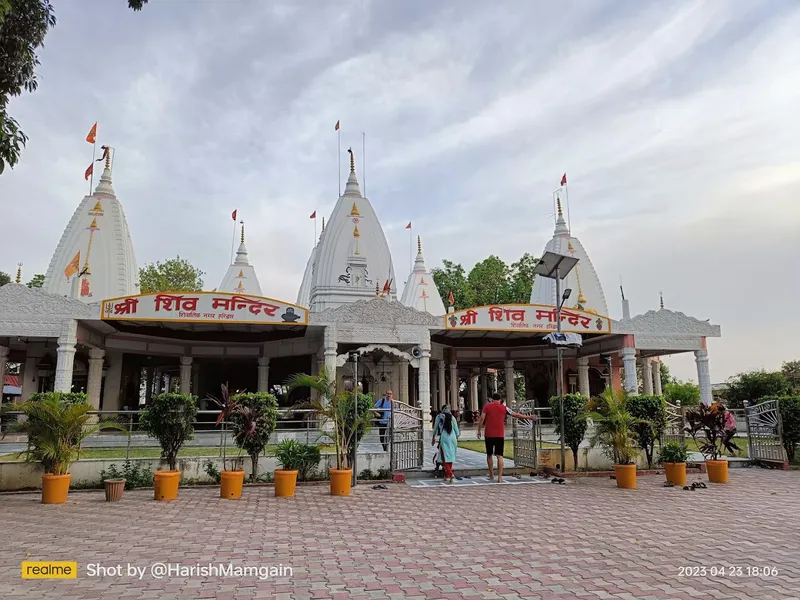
{"points": [[747, 412], [780, 434]]}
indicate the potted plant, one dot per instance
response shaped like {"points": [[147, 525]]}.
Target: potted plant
{"points": [[614, 431], [296, 459], [252, 422], [673, 456], [170, 419], [651, 415], [575, 422], [56, 425], [710, 421], [231, 479], [348, 416]]}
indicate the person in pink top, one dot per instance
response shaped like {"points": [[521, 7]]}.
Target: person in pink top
{"points": [[494, 416]]}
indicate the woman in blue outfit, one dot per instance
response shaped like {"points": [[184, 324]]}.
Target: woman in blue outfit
{"points": [[446, 428]]}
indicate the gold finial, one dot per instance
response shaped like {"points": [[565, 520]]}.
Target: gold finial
{"points": [[323, 223], [242, 222], [558, 200], [107, 156], [419, 245], [356, 233], [354, 211], [661, 295], [570, 248], [581, 298], [377, 289], [19, 272], [98, 207], [94, 224], [352, 160]]}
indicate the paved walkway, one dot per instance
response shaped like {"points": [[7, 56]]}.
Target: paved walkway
{"points": [[587, 539]]}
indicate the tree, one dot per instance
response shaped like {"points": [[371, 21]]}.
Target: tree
{"points": [[682, 394], [522, 276], [750, 386], [36, 281], [666, 377], [452, 278], [23, 27], [651, 422], [173, 275], [791, 370], [4, 278], [575, 422], [489, 280]]}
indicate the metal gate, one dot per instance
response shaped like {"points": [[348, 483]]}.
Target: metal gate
{"points": [[407, 447], [675, 430], [765, 433], [524, 435]]}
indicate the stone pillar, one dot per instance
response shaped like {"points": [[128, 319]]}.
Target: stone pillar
{"points": [[29, 376], [186, 375], [66, 355], [402, 393], [263, 374], [511, 395], [424, 383], [94, 383], [454, 400], [484, 397], [647, 377], [440, 366], [330, 346], [703, 375], [629, 364], [657, 378], [112, 383], [583, 376], [473, 391], [3, 362]]}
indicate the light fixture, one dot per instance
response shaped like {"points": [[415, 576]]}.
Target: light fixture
{"points": [[566, 294]]}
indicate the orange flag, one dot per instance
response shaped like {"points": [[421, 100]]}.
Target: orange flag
{"points": [[233, 215], [409, 225], [73, 266], [313, 215], [92, 137], [336, 127], [89, 171], [451, 299]]}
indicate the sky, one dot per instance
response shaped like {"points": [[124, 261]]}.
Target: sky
{"points": [[676, 123]]}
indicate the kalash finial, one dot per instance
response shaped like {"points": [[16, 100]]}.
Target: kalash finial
{"points": [[419, 244], [377, 288], [242, 223], [558, 200], [19, 273], [352, 160], [661, 297], [356, 232], [354, 211]]}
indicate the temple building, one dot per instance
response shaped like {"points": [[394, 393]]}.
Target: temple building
{"points": [[90, 329]]}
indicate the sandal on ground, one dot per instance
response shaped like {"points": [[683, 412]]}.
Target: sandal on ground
{"points": [[380, 486], [700, 484], [669, 484], [554, 480], [688, 489]]}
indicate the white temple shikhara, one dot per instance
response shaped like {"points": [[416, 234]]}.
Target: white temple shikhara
{"points": [[89, 327]]}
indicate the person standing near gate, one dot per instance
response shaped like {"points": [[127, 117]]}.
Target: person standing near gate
{"points": [[494, 416], [383, 413], [446, 428]]}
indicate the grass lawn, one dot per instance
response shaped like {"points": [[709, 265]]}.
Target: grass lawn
{"points": [[508, 449], [151, 452], [741, 443]]}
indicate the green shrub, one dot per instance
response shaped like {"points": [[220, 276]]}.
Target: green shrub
{"points": [[295, 456], [170, 419], [615, 427], [682, 394], [212, 471], [135, 474], [252, 422], [575, 420], [673, 452], [651, 415]]}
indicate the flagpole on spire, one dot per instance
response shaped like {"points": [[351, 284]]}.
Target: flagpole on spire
{"points": [[92, 139], [313, 215], [566, 197], [338, 130], [233, 239], [364, 161]]}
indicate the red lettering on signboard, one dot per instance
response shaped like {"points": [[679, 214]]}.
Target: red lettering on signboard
{"points": [[126, 307], [468, 318]]}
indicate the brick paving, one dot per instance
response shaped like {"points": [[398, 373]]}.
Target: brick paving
{"points": [[584, 540]]}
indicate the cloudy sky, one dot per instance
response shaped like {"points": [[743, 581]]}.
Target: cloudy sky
{"points": [[677, 124]]}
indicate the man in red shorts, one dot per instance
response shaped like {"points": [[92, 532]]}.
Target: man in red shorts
{"points": [[494, 415]]}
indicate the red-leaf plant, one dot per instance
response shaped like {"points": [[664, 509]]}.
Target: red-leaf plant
{"points": [[710, 420], [227, 405]]}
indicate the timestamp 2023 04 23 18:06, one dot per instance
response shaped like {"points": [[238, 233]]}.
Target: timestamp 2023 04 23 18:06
{"points": [[765, 571]]}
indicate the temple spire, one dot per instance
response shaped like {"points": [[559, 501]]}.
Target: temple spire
{"points": [[241, 253], [19, 273], [105, 186], [561, 224], [352, 188], [661, 298]]}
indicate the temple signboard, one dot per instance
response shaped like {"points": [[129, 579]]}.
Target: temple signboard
{"points": [[204, 307], [526, 317]]}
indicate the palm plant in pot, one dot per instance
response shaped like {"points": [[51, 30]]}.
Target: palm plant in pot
{"points": [[673, 456], [170, 419], [615, 432], [57, 425], [709, 420], [346, 416], [231, 479], [295, 459], [252, 422]]}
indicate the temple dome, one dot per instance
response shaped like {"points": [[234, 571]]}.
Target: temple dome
{"points": [[240, 278], [331, 265], [587, 292], [420, 291], [97, 236]]}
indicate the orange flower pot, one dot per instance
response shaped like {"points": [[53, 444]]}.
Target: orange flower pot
{"points": [[166, 484], [285, 483], [626, 476], [55, 488], [717, 471], [230, 484], [676, 473], [340, 482]]}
